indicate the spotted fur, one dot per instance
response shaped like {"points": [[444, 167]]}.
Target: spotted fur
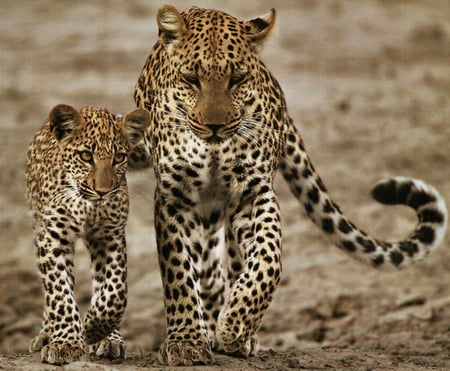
{"points": [[219, 131], [76, 188]]}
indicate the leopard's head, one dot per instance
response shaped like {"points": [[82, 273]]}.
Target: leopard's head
{"points": [[214, 66], [94, 146]]}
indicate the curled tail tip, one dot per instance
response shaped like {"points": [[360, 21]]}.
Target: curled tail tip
{"points": [[428, 203], [407, 191], [423, 198], [385, 192], [394, 191]]}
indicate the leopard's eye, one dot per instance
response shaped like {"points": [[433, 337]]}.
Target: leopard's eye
{"points": [[236, 79], [191, 79], [119, 158], [86, 156]]}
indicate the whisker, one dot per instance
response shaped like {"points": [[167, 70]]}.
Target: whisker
{"points": [[68, 194], [252, 126], [266, 130], [253, 131], [261, 125], [247, 135]]}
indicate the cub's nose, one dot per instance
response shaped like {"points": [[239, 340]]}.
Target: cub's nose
{"points": [[101, 193]]}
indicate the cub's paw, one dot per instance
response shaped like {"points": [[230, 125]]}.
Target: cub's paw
{"points": [[112, 347], [59, 354], [38, 342], [185, 353]]}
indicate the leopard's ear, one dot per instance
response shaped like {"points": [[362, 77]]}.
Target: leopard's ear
{"points": [[134, 125], [63, 120], [259, 28], [171, 25]]}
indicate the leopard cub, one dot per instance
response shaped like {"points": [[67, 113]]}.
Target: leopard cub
{"points": [[76, 188]]}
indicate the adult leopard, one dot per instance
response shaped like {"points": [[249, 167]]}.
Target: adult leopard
{"points": [[219, 132], [76, 188]]}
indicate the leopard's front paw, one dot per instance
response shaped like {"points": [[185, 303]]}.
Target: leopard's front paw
{"points": [[112, 347], [234, 338], [59, 354], [244, 347], [185, 353]]}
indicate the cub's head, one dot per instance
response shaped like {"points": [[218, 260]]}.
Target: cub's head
{"points": [[214, 66], [94, 146]]}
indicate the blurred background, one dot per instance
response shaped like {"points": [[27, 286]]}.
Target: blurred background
{"points": [[367, 83]]}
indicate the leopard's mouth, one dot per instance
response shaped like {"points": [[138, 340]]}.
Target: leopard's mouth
{"points": [[211, 136], [214, 139], [218, 133]]}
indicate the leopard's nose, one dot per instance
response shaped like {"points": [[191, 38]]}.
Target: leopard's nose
{"points": [[214, 127]]}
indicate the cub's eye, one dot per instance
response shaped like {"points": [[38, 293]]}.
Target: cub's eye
{"points": [[236, 79], [191, 79], [85, 156], [119, 158]]}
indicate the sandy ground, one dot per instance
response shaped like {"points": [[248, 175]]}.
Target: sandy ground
{"points": [[367, 83]]}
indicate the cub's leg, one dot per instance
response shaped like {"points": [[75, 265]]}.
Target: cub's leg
{"points": [[254, 235], [61, 339], [109, 298]]}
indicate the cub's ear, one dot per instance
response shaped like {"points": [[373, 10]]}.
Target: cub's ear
{"points": [[134, 125], [171, 25], [259, 28], [63, 120]]}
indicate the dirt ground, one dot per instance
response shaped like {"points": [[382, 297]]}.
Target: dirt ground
{"points": [[367, 83]]}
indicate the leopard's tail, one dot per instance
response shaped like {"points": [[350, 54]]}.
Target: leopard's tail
{"points": [[428, 204]]}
